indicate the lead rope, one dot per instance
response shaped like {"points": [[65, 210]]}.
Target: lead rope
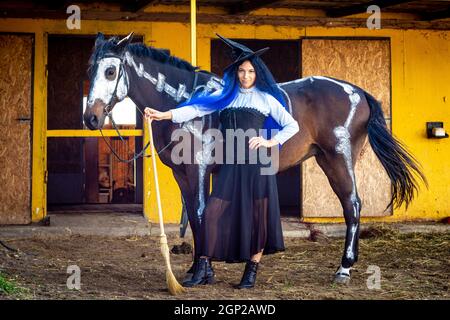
{"points": [[108, 112], [109, 115], [136, 155]]}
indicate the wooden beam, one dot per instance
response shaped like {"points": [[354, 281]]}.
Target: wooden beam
{"points": [[44, 5], [246, 6], [59, 5], [362, 8], [136, 5], [294, 21], [436, 15], [93, 133]]}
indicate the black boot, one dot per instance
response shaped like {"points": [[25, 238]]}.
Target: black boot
{"points": [[249, 276], [191, 269], [203, 273], [190, 272]]}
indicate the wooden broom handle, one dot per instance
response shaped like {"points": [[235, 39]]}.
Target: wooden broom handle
{"points": [[155, 174]]}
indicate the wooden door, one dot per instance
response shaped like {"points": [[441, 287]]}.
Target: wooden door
{"points": [[16, 52]]}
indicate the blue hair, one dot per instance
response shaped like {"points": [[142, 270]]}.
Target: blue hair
{"points": [[264, 82], [217, 102]]}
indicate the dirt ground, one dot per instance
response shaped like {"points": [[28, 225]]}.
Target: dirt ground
{"points": [[413, 266]]}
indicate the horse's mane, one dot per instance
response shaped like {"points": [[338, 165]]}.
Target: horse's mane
{"points": [[139, 49], [160, 55]]}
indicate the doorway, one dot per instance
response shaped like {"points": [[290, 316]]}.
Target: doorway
{"points": [[83, 170]]}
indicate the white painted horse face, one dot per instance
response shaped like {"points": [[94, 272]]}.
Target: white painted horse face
{"points": [[109, 84], [105, 82]]}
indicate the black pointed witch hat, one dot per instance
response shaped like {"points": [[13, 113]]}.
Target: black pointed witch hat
{"points": [[239, 52]]}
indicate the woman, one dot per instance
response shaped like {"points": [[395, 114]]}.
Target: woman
{"points": [[242, 216]]}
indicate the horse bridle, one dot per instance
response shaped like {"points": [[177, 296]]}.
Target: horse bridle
{"points": [[107, 111]]}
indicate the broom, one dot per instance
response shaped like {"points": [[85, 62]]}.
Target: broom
{"points": [[172, 283]]}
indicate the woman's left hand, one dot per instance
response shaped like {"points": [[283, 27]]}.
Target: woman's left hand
{"points": [[256, 142]]}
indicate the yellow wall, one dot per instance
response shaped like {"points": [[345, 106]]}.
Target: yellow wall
{"points": [[420, 93]]}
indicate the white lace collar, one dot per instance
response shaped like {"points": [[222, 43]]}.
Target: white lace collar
{"points": [[249, 90]]}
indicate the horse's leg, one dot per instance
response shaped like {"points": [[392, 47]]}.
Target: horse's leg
{"points": [[340, 172], [184, 218], [188, 193]]}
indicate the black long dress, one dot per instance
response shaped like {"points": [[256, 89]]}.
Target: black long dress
{"points": [[242, 214]]}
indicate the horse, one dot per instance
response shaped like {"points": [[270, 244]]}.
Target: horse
{"points": [[335, 117]]}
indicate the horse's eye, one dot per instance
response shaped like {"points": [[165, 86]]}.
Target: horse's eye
{"points": [[110, 73]]}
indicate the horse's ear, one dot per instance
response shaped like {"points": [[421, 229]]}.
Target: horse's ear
{"points": [[100, 38], [122, 44]]}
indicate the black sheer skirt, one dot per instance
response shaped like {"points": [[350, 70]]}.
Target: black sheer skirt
{"points": [[242, 214]]}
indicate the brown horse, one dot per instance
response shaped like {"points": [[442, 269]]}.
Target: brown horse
{"points": [[334, 116]]}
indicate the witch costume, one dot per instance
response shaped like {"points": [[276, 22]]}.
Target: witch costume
{"points": [[242, 214]]}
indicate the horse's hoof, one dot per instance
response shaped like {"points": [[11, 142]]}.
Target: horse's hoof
{"points": [[342, 279]]}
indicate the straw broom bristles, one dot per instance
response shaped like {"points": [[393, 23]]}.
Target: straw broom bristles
{"points": [[172, 283]]}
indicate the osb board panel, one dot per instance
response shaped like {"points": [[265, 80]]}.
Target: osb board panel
{"points": [[365, 63], [372, 182], [15, 145]]}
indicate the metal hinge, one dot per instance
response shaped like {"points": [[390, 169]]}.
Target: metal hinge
{"points": [[23, 119]]}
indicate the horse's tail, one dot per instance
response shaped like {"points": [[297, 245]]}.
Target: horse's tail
{"points": [[399, 164]]}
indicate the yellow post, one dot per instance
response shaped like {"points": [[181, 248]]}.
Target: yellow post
{"points": [[39, 164], [72, 133], [194, 32]]}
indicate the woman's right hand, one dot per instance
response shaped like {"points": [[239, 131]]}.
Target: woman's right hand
{"points": [[153, 114]]}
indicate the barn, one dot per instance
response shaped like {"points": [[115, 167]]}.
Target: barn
{"points": [[399, 51]]}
